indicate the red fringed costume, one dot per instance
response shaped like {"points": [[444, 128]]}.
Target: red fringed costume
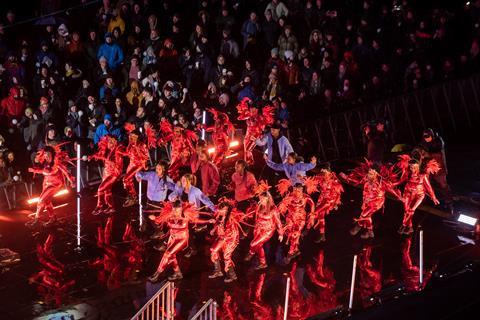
{"points": [[294, 205], [177, 220], [52, 164], [417, 185], [51, 281], [329, 199], [256, 123], [181, 141], [137, 152], [111, 153], [227, 231], [267, 220], [221, 131], [375, 185]]}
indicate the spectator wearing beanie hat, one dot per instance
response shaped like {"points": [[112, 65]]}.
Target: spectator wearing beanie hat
{"points": [[111, 51], [105, 128]]}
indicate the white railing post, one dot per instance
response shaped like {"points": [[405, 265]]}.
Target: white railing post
{"points": [[352, 284], [161, 305], [420, 269], [287, 294], [78, 195], [207, 312], [204, 121], [140, 205]]}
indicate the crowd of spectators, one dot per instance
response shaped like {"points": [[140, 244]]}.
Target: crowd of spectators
{"points": [[87, 73]]}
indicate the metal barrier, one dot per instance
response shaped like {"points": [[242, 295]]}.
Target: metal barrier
{"points": [[450, 108], [207, 312], [161, 306]]}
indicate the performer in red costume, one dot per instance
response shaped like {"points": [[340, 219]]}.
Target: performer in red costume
{"points": [[375, 184], [227, 229], [294, 205], [111, 153], [137, 152], [267, 220], [177, 216], [329, 199], [417, 185], [256, 123], [52, 284], [221, 131], [181, 141], [52, 163]]}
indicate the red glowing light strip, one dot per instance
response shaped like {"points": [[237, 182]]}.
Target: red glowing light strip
{"points": [[59, 193]]}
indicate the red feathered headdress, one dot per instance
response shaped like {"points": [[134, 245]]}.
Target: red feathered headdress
{"points": [[261, 187], [283, 186]]}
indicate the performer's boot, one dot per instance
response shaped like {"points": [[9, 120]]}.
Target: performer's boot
{"points": [[320, 238], [97, 210], [160, 247], [217, 271], [157, 235], [191, 252], [176, 276], [154, 277], [248, 257], [355, 230], [131, 201], [367, 234], [52, 220], [401, 230], [261, 266], [292, 256], [32, 223], [109, 210], [408, 231], [231, 276]]}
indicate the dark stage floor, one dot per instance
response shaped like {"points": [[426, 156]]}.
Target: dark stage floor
{"points": [[320, 277]]}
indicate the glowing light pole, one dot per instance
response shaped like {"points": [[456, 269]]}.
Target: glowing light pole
{"points": [[420, 269], [287, 294], [352, 284], [78, 195], [140, 205], [204, 121]]}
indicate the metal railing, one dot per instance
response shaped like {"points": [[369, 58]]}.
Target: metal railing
{"points": [[207, 312], [449, 108], [161, 306]]}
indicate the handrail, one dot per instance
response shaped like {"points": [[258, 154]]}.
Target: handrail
{"points": [[152, 310], [209, 309]]}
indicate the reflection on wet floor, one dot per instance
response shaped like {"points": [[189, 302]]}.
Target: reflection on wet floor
{"points": [[107, 278]]}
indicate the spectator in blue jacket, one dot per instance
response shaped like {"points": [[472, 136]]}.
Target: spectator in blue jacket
{"points": [[105, 128], [111, 51], [293, 169], [277, 145]]}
